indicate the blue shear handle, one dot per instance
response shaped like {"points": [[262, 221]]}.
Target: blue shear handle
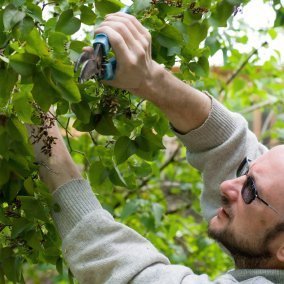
{"points": [[110, 66], [125, 9], [104, 41]]}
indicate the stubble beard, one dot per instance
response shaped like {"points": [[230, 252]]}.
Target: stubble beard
{"points": [[249, 254]]}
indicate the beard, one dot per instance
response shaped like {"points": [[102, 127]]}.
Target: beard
{"points": [[246, 254]]}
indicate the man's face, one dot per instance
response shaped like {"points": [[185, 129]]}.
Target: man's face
{"points": [[247, 230]]}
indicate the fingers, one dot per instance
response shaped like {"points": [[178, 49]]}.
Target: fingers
{"points": [[131, 19], [121, 29], [116, 40], [130, 29]]}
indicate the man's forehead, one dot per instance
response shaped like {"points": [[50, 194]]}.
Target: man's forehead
{"points": [[268, 171], [273, 157]]}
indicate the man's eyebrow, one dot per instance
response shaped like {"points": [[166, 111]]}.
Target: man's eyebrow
{"points": [[258, 187]]}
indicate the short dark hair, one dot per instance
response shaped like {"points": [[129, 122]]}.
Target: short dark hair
{"points": [[272, 234]]}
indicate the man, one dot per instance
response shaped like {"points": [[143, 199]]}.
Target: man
{"points": [[247, 220]]}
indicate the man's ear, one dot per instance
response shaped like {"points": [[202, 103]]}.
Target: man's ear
{"points": [[280, 253]]}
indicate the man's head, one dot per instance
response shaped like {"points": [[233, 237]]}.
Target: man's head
{"points": [[254, 232]]}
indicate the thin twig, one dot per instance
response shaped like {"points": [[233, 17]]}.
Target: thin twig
{"points": [[259, 105], [69, 144], [267, 122], [59, 122], [138, 105], [165, 165], [235, 74], [45, 165], [93, 139]]}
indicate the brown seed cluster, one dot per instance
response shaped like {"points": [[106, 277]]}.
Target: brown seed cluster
{"points": [[178, 3], [40, 133]]}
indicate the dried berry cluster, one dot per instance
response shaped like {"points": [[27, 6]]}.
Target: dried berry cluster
{"points": [[110, 104], [197, 10], [179, 4], [40, 133]]}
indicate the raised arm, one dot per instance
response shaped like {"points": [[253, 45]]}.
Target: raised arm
{"points": [[186, 107], [216, 139]]}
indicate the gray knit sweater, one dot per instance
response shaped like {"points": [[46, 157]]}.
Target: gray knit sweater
{"points": [[100, 250]]}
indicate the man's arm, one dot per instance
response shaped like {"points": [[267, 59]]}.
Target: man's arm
{"points": [[185, 107], [96, 247], [216, 139]]}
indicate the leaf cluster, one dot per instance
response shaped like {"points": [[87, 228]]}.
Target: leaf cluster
{"points": [[116, 138]]}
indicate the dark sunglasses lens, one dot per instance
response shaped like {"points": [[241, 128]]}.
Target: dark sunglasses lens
{"points": [[243, 168], [248, 191]]}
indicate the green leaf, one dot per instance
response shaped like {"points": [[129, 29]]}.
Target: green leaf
{"points": [[141, 170], [69, 91], [2, 279], [102, 123], [213, 44], [222, 13], [158, 211], [98, 173], [201, 68], [67, 23], [8, 79], [82, 111], [34, 239], [11, 17], [198, 33], [129, 208], [116, 178], [62, 72], [24, 64], [29, 186], [3, 35], [148, 141], [35, 12], [57, 41], [59, 265], [169, 37], [33, 208], [13, 268], [22, 102], [19, 226], [88, 17], [35, 44], [140, 5], [279, 20], [123, 149], [43, 92], [105, 7], [105, 126], [24, 28]]}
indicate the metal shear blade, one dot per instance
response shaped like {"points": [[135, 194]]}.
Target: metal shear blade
{"points": [[92, 64]]}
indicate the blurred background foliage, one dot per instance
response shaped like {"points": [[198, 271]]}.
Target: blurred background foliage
{"points": [[122, 144]]}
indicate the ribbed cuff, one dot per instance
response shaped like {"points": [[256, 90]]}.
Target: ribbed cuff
{"points": [[218, 127], [274, 275], [72, 201]]}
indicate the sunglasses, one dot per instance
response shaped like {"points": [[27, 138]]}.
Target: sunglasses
{"points": [[249, 192]]}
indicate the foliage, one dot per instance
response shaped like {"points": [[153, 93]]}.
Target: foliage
{"points": [[121, 152]]}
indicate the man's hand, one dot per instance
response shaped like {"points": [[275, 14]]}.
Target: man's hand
{"points": [[131, 43], [56, 167], [186, 107]]}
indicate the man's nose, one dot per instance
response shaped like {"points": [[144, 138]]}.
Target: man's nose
{"points": [[231, 189]]}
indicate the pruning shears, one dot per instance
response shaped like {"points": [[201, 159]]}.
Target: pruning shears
{"points": [[96, 65]]}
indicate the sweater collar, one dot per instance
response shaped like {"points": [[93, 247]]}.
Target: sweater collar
{"points": [[273, 275]]}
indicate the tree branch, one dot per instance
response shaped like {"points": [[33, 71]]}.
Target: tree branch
{"points": [[237, 72], [165, 165]]}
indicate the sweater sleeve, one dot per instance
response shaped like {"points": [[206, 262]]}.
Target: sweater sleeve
{"points": [[216, 149], [100, 250]]}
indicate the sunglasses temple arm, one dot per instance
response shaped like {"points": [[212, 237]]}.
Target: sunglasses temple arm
{"points": [[273, 209], [268, 205]]}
